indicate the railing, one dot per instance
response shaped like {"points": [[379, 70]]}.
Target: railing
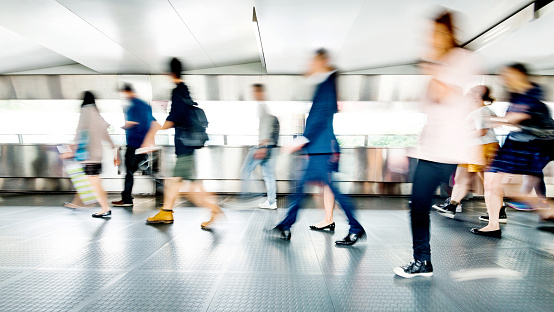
{"points": [[349, 140]]}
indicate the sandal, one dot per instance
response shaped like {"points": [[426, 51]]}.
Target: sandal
{"points": [[72, 205]]}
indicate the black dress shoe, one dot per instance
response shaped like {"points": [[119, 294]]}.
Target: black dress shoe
{"points": [[351, 239], [101, 215], [331, 227], [283, 234], [495, 234]]}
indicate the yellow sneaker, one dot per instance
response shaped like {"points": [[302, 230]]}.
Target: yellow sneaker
{"points": [[162, 217]]}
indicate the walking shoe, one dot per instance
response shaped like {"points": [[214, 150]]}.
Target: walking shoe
{"points": [[283, 234], [521, 206], [495, 233], [446, 203], [267, 205], [449, 210], [502, 218], [162, 217], [415, 268], [102, 215], [121, 203]]}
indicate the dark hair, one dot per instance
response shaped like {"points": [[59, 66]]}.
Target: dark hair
{"points": [[127, 88], [519, 67], [176, 67], [486, 96], [88, 98], [322, 53], [446, 19], [258, 86]]}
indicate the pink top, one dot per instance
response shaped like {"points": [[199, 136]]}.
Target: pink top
{"points": [[446, 135]]}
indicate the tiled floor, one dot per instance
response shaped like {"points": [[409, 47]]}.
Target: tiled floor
{"points": [[57, 259]]}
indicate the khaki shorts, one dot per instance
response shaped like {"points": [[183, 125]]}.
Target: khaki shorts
{"points": [[489, 152], [185, 167]]}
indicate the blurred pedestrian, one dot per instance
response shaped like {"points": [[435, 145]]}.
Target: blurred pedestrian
{"points": [[444, 141], [525, 152], [263, 154], [317, 142], [91, 132], [484, 137], [183, 118], [138, 120]]}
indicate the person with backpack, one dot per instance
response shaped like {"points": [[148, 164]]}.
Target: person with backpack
{"points": [[138, 120], [190, 125], [263, 153]]}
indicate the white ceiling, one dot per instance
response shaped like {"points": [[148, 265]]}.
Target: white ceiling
{"points": [[217, 36]]}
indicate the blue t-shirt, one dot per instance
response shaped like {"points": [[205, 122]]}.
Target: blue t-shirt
{"points": [[141, 113]]}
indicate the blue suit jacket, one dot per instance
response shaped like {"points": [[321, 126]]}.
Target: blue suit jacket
{"points": [[319, 125]]}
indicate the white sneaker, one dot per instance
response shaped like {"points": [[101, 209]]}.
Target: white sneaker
{"points": [[267, 205], [459, 208]]}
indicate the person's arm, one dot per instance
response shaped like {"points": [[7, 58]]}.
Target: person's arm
{"points": [[132, 118], [150, 135], [511, 118], [129, 124]]}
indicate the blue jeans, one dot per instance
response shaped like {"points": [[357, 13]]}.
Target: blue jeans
{"points": [[428, 176], [268, 172], [318, 170]]}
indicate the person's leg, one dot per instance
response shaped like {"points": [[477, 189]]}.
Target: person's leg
{"points": [[427, 178], [171, 192], [347, 207], [462, 184], [328, 205], [540, 189], [101, 195], [296, 201], [131, 165], [248, 166], [200, 198], [268, 173], [494, 196]]}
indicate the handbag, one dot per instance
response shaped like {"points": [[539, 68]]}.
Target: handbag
{"points": [[81, 154]]}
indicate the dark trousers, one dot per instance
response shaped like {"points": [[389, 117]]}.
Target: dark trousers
{"points": [[427, 178], [318, 170], [132, 162]]}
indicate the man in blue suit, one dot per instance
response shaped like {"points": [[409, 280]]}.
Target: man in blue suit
{"points": [[317, 141]]}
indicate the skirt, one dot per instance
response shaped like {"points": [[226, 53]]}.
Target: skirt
{"points": [[527, 158]]}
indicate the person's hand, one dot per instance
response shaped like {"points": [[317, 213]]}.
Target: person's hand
{"points": [[260, 153], [67, 155], [116, 161]]}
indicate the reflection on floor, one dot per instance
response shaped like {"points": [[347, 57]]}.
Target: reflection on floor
{"points": [[57, 259]]}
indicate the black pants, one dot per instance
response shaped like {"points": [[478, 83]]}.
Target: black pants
{"points": [[428, 176], [318, 170], [132, 161]]}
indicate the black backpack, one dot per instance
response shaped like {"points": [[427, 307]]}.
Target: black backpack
{"points": [[195, 135]]}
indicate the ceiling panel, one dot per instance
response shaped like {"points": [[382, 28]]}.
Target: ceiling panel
{"points": [[18, 53], [53, 26], [150, 29], [532, 44], [395, 31], [292, 30], [222, 27]]}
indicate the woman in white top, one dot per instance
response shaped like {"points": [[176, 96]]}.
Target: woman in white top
{"points": [[484, 137], [444, 141]]}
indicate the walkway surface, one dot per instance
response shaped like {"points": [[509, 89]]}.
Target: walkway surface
{"points": [[57, 259]]}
